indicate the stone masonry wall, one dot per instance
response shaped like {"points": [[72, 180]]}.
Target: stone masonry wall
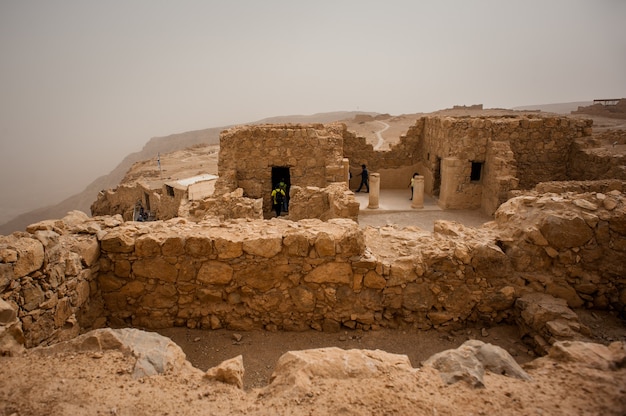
{"points": [[312, 152], [48, 276], [65, 275], [283, 275]]}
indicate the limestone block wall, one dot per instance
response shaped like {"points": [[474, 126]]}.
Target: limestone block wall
{"points": [[242, 274], [313, 154], [293, 276], [598, 157], [396, 166], [334, 201], [225, 206], [457, 191], [48, 276], [541, 146], [162, 203], [62, 276], [499, 176]]}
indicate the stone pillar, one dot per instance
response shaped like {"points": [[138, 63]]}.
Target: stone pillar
{"points": [[374, 190], [346, 170], [418, 192], [452, 170]]}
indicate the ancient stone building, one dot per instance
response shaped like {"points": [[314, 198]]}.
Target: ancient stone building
{"points": [[162, 202], [467, 163], [256, 158], [473, 162]]}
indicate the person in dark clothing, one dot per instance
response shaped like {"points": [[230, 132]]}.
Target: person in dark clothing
{"points": [[365, 176], [412, 184]]}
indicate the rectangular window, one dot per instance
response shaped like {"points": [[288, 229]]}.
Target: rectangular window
{"points": [[477, 170], [170, 190]]}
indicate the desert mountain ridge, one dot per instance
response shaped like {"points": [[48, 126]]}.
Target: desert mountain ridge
{"points": [[210, 136]]}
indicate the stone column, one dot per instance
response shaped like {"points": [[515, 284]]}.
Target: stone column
{"points": [[418, 192], [452, 170], [374, 190], [346, 170]]}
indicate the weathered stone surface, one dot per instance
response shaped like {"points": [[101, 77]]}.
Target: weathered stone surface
{"points": [[263, 247], [117, 242], [295, 370], [155, 354], [229, 372], [33, 296], [340, 273], [194, 246], [88, 249], [469, 362], [147, 246], [374, 280], [155, 268], [324, 245], [565, 230], [30, 256], [8, 314], [597, 356], [545, 319], [214, 272], [228, 249]]}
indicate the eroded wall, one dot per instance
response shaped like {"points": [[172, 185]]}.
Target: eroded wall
{"points": [[66, 275], [313, 154]]}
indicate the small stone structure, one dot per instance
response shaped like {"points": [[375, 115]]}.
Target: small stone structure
{"points": [[162, 203], [256, 158]]}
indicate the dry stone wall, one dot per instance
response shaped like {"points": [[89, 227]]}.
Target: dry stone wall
{"points": [[65, 275], [313, 153], [48, 276], [516, 151], [602, 156]]}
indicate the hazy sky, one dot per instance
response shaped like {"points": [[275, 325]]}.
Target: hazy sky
{"points": [[84, 83]]}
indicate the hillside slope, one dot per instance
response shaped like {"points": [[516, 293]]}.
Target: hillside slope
{"points": [[152, 148]]}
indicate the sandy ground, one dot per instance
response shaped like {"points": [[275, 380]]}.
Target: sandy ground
{"points": [[96, 383]]}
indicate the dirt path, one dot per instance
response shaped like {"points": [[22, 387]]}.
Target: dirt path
{"points": [[379, 135]]}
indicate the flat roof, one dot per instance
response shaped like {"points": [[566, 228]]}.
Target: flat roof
{"points": [[196, 179]]}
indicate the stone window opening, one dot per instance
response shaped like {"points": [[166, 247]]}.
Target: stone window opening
{"points": [[170, 190], [476, 172]]}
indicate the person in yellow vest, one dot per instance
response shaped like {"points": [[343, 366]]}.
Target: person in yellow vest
{"points": [[278, 197]]}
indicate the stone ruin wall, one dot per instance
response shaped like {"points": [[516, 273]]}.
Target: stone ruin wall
{"points": [[599, 157], [122, 200], [396, 166], [612, 111], [66, 275], [312, 152], [517, 152]]}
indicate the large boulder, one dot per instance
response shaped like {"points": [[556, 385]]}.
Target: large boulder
{"points": [[470, 361], [154, 353]]}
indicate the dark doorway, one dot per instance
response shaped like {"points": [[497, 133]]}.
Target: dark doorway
{"points": [[280, 173], [437, 177]]}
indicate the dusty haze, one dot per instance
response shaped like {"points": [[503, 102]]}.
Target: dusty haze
{"points": [[85, 84]]}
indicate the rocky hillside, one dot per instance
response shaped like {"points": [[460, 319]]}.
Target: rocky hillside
{"points": [[163, 145]]}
